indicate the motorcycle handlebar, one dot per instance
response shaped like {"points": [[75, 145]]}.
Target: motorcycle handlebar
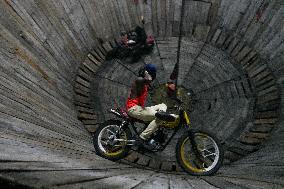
{"points": [[115, 112], [179, 101]]}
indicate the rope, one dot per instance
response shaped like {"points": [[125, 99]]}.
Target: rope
{"points": [[175, 72]]}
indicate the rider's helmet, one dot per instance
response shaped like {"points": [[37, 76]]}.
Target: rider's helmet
{"points": [[152, 70], [123, 33], [132, 36]]}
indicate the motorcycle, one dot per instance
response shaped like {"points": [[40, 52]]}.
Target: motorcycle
{"points": [[136, 46], [134, 51], [197, 152]]}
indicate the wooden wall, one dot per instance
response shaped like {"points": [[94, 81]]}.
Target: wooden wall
{"points": [[43, 43]]}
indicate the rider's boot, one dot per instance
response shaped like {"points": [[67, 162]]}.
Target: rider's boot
{"points": [[141, 142], [145, 143]]}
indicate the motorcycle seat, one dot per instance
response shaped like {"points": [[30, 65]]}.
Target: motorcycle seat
{"points": [[132, 119], [164, 116]]}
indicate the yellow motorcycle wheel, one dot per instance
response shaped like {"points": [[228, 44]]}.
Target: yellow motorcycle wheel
{"points": [[209, 158], [105, 141]]}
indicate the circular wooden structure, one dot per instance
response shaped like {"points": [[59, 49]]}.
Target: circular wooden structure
{"points": [[56, 87]]}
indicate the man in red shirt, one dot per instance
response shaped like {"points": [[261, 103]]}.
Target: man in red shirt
{"points": [[136, 101]]}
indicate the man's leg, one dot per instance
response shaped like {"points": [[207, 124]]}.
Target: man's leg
{"points": [[158, 107], [147, 114], [153, 126], [143, 114]]}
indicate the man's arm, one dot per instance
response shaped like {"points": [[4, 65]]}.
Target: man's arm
{"points": [[140, 82]]}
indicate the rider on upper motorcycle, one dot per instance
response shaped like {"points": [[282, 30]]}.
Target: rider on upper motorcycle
{"points": [[136, 102], [132, 44]]}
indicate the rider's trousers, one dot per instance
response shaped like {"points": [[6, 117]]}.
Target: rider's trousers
{"points": [[147, 114]]}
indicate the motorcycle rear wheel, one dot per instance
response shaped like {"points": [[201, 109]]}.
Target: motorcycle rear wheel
{"points": [[205, 159], [105, 140]]}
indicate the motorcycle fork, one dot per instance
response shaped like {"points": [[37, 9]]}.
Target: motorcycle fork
{"points": [[194, 147], [191, 136], [123, 126]]}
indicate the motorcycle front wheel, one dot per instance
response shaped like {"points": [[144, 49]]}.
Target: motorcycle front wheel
{"points": [[199, 153], [110, 142]]}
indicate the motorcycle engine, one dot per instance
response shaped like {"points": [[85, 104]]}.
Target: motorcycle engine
{"points": [[160, 136]]}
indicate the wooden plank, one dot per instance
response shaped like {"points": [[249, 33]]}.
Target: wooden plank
{"points": [[148, 18], [19, 110], [169, 17], [8, 82], [84, 75], [251, 183], [81, 92], [266, 114], [238, 48], [90, 122], [268, 90], [177, 182], [222, 38], [262, 76], [115, 17], [85, 110], [110, 19], [59, 36], [201, 32], [90, 65], [86, 70], [243, 53], [200, 183], [154, 17], [87, 116], [97, 54], [197, 11], [82, 99], [267, 79], [167, 166], [249, 57], [157, 181], [133, 157], [256, 70], [267, 106], [143, 160], [221, 183], [81, 89], [265, 85], [123, 180], [250, 140], [216, 36], [107, 46], [227, 42], [155, 163], [9, 122], [91, 128], [24, 14], [131, 7], [233, 44], [161, 12], [262, 128], [79, 19], [265, 121], [83, 82], [102, 52], [255, 62]]}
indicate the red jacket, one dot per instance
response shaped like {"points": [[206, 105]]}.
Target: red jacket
{"points": [[138, 95]]}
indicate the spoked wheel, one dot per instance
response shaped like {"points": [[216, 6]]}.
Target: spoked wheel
{"points": [[200, 154], [111, 143]]}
